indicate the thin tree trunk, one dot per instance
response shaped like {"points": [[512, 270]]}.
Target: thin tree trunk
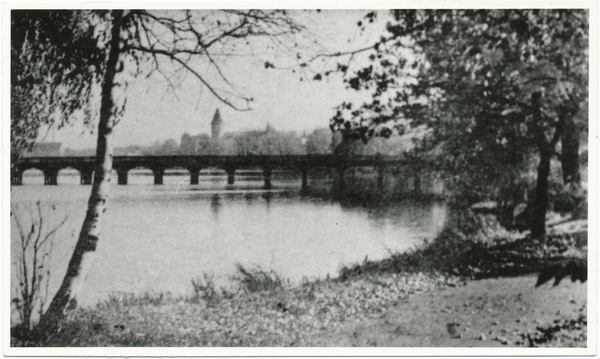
{"points": [[547, 150], [570, 147], [540, 206], [79, 264]]}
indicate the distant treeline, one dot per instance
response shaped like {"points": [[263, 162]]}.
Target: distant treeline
{"points": [[260, 142]]}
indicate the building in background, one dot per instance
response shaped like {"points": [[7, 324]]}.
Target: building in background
{"points": [[45, 149], [216, 126]]}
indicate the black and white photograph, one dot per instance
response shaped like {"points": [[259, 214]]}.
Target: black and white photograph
{"points": [[325, 181]]}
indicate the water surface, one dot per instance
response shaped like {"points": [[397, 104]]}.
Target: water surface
{"points": [[161, 237]]}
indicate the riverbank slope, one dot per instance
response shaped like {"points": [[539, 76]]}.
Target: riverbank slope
{"points": [[426, 297]]}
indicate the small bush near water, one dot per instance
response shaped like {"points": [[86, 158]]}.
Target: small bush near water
{"points": [[204, 289], [257, 280]]}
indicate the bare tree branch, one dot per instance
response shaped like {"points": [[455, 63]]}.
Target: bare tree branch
{"points": [[173, 57], [368, 48]]}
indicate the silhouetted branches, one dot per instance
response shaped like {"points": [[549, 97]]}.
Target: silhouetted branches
{"points": [[31, 256], [188, 39]]}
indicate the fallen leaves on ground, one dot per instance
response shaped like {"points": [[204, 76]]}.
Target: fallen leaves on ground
{"points": [[285, 317]]}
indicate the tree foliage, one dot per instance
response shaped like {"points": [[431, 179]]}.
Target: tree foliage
{"points": [[494, 87], [319, 142], [55, 63]]}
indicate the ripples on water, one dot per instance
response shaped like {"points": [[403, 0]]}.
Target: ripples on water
{"points": [[160, 237]]}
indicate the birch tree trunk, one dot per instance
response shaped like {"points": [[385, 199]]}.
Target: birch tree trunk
{"points": [[65, 298]]}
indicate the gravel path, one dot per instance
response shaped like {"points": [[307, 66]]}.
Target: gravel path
{"points": [[490, 312]]}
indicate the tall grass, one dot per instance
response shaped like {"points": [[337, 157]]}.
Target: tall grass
{"points": [[258, 280], [204, 289], [125, 300]]}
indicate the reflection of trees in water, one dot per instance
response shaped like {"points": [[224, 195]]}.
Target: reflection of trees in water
{"points": [[212, 175], [320, 174], [411, 213], [215, 206], [268, 196]]}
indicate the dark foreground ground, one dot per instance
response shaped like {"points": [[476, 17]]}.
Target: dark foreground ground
{"points": [[489, 313]]}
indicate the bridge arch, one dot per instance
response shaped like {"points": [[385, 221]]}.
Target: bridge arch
{"points": [[138, 171], [371, 172], [212, 173], [68, 172], [29, 175], [49, 173], [321, 173]]}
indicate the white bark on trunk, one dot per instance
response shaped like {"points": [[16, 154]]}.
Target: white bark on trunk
{"points": [[83, 254]]}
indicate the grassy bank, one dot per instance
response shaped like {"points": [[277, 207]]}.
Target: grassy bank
{"points": [[272, 314], [267, 310], [484, 254]]}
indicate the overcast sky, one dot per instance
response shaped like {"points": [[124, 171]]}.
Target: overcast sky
{"points": [[280, 98]]}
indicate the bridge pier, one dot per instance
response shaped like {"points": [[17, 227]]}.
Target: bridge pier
{"points": [[379, 166], [230, 175], [122, 176], [86, 175], [304, 178], [380, 171], [194, 175], [417, 182], [158, 175], [267, 171], [16, 177], [342, 181], [50, 176]]}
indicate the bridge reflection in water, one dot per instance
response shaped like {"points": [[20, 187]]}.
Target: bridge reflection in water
{"points": [[50, 166]]}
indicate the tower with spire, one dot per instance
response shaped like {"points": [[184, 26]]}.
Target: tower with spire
{"points": [[216, 126]]}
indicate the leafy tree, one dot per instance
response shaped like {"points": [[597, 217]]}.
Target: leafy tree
{"points": [[194, 145], [168, 148], [188, 145], [319, 142], [228, 146], [257, 142], [131, 150], [246, 142], [47, 92], [271, 142], [139, 42], [494, 87]]}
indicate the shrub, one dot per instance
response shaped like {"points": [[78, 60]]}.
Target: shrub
{"points": [[204, 289], [31, 256], [474, 246], [258, 280]]}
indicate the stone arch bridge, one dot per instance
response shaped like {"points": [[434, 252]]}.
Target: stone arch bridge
{"points": [[50, 166]]}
